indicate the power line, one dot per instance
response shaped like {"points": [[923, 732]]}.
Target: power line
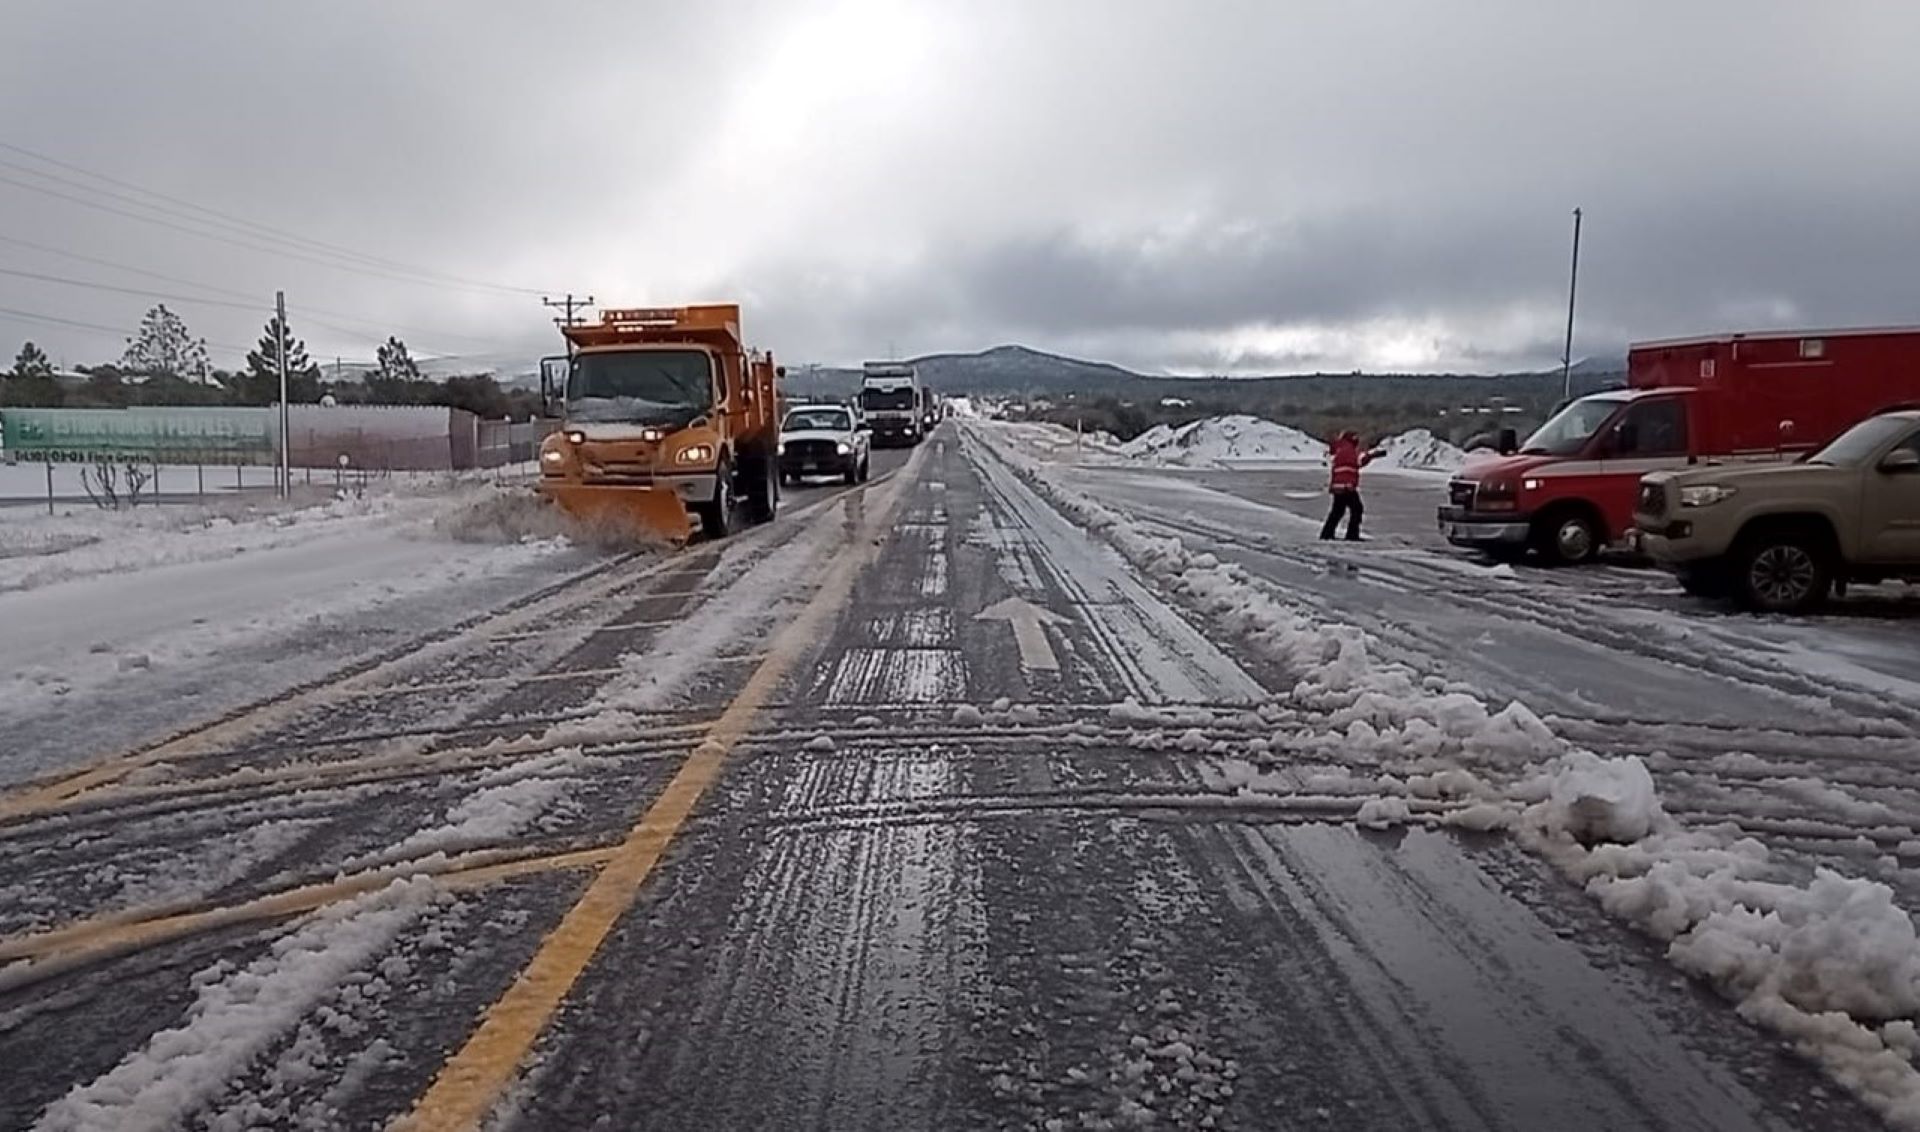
{"points": [[116, 331], [376, 325], [231, 242], [228, 219], [122, 267], [138, 291]]}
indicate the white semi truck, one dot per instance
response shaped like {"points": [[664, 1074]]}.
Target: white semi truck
{"points": [[890, 395]]}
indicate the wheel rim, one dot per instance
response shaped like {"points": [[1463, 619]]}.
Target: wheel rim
{"points": [[1783, 575], [1574, 539]]}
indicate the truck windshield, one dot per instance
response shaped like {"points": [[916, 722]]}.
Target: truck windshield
{"points": [[1571, 427], [655, 387], [887, 398], [1859, 444], [818, 420]]}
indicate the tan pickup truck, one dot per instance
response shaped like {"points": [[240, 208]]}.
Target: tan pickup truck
{"points": [[1780, 538]]}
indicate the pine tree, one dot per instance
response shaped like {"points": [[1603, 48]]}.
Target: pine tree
{"points": [[259, 384], [32, 362], [31, 382], [162, 345], [391, 382]]}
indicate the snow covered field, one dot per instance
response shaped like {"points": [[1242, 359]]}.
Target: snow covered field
{"points": [[104, 615]]}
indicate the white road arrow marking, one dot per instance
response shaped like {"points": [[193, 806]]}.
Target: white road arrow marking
{"points": [[1027, 619]]}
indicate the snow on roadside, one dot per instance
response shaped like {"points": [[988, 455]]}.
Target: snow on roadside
{"points": [[1832, 963], [44, 550], [237, 1015], [91, 601]]}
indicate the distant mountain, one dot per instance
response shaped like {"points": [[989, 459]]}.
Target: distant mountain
{"points": [[1002, 369], [1019, 369]]}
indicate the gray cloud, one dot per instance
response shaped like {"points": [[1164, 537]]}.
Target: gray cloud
{"points": [[1270, 186]]}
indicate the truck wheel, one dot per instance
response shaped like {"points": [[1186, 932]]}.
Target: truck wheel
{"points": [[1782, 571], [1567, 538], [866, 468], [761, 491], [716, 515]]}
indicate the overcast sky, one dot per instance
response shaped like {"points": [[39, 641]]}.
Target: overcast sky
{"points": [[1188, 186]]}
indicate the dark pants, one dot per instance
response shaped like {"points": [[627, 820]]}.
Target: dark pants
{"points": [[1345, 504]]}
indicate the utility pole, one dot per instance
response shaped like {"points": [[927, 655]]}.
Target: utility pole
{"points": [[1573, 284], [286, 438], [567, 304]]}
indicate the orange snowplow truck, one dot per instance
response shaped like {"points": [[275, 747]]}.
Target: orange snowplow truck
{"points": [[665, 415]]}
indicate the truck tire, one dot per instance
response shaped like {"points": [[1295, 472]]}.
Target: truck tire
{"points": [[716, 515], [1784, 569], [760, 493], [866, 468], [1567, 536]]}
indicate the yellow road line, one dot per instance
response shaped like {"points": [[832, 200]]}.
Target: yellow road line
{"points": [[470, 1083], [89, 940]]}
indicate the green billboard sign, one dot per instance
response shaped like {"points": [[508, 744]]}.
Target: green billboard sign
{"points": [[161, 435]]}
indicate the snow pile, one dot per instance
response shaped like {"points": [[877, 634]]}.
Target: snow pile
{"points": [[237, 1015], [1592, 799], [1420, 450], [1224, 441], [1832, 963]]}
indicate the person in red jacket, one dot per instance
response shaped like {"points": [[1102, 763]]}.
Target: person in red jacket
{"points": [[1344, 485]]}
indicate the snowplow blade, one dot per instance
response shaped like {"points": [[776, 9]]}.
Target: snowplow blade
{"points": [[642, 513]]}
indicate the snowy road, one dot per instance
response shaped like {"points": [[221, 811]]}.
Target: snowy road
{"points": [[1203, 826]]}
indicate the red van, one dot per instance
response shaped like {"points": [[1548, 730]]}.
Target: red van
{"points": [[1569, 490]]}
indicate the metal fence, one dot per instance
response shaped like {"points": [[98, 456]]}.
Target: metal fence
{"points": [[385, 438]]}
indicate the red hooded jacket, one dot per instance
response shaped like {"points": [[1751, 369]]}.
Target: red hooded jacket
{"points": [[1347, 462]]}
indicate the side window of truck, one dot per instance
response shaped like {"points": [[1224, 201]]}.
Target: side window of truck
{"points": [[1653, 428]]}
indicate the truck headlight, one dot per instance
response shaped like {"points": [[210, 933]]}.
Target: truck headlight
{"points": [[552, 456], [1704, 494], [843, 448], [783, 448], [695, 454]]}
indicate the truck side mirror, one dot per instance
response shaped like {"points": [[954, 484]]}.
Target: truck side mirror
{"points": [[1901, 461], [553, 384], [1506, 442]]}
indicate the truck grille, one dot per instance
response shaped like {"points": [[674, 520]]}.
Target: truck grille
{"points": [[1653, 499], [816, 450], [1460, 494]]}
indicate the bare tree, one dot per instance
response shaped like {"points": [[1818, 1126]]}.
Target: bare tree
{"points": [[101, 481], [138, 477], [112, 486]]}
